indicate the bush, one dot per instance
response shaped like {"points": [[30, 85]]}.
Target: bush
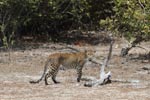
{"points": [[131, 20], [50, 18]]}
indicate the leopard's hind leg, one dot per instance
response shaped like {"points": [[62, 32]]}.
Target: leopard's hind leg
{"points": [[52, 73], [54, 77]]}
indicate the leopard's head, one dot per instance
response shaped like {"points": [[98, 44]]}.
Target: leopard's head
{"points": [[90, 53]]}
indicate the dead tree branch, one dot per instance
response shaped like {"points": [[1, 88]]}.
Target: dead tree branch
{"points": [[104, 77], [125, 50], [66, 47]]}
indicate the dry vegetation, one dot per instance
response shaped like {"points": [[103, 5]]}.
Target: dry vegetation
{"points": [[28, 64]]}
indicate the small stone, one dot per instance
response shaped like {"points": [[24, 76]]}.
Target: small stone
{"points": [[146, 68]]}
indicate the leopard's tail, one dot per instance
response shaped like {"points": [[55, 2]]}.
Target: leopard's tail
{"points": [[45, 69]]}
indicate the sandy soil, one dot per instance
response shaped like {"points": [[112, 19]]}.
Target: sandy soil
{"points": [[27, 64]]}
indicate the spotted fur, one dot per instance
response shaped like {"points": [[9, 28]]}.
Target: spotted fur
{"points": [[67, 60]]}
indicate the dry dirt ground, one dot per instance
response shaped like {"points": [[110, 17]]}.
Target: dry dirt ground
{"points": [[27, 64]]}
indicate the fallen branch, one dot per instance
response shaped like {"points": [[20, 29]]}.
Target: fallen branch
{"points": [[104, 77], [125, 81], [66, 47], [139, 39], [92, 79], [125, 50]]}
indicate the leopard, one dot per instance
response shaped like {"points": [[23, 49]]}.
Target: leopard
{"points": [[71, 60]]}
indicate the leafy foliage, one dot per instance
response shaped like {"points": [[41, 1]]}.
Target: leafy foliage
{"points": [[132, 19], [49, 18]]}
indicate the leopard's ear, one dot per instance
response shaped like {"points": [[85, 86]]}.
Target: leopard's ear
{"points": [[89, 48]]}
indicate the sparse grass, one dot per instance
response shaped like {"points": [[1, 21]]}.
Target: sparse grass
{"points": [[28, 64]]}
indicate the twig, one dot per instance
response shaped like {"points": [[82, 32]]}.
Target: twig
{"points": [[141, 47], [142, 6]]}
